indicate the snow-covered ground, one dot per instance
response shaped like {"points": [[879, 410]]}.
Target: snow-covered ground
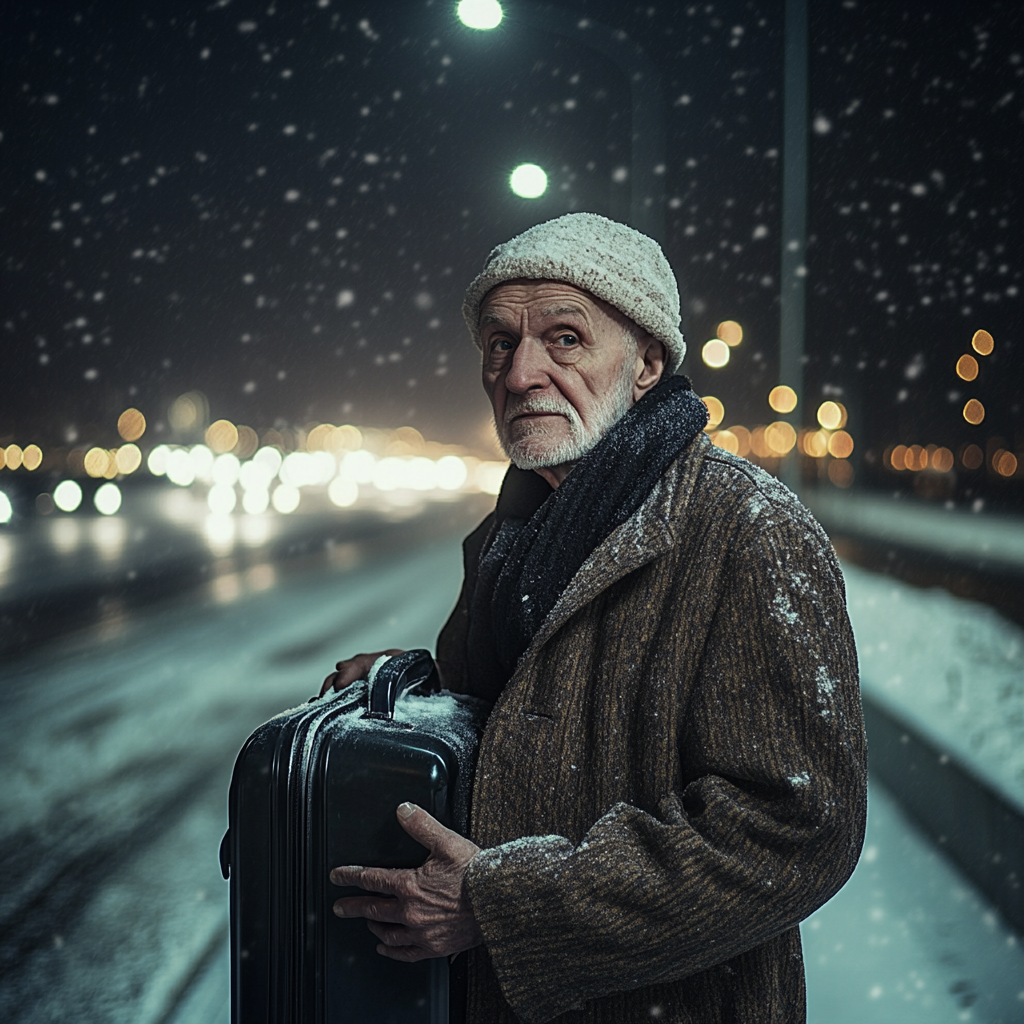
{"points": [[952, 668]]}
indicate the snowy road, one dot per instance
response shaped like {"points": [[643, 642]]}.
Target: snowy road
{"points": [[118, 748]]}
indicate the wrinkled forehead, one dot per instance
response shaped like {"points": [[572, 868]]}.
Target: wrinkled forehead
{"points": [[542, 298]]}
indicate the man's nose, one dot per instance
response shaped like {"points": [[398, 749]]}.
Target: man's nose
{"points": [[529, 369]]}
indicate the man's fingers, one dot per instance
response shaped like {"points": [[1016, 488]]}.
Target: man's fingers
{"points": [[373, 908], [351, 669], [382, 880], [429, 832]]}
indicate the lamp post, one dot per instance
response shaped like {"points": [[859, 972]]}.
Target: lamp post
{"points": [[645, 183], [793, 271]]}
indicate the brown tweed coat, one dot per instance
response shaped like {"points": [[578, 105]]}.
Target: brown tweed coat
{"points": [[675, 774]]}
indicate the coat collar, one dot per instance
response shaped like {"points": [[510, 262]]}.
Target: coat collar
{"points": [[650, 532]]}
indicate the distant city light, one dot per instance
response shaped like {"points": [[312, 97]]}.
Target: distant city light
{"points": [[12, 456], [967, 367], [782, 399], [780, 437], [730, 332], [107, 499], [528, 181], [983, 343], [972, 457], [32, 457], [1004, 463], [255, 501], [726, 440], [479, 14], [286, 498], [451, 473], [840, 473], [157, 461], [830, 415], [127, 458], [131, 424], [6, 511], [221, 436], [715, 353], [840, 445], [343, 493], [179, 468], [67, 495], [716, 410], [974, 412], [97, 460], [221, 499]]}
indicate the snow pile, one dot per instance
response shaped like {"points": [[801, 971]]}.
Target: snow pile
{"points": [[952, 668]]}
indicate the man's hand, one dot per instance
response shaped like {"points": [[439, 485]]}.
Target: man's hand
{"points": [[352, 669], [423, 912]]}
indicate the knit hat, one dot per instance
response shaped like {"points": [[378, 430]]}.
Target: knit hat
{"points": [[610, 260]]}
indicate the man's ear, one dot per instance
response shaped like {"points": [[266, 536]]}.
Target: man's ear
{"points": [[650, 365]]}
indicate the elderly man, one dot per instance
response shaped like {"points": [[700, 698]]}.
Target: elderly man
{"points": [[673, 774]]}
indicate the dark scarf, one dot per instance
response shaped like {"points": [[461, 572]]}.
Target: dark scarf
{"points": [[541, 536]]}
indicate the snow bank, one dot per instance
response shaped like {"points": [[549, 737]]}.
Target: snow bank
{"points": [[952, 668]]}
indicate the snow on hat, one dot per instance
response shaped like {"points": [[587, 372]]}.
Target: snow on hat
{"points": [[608, 259]]}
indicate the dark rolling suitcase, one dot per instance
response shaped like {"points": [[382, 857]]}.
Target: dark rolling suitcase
{"points": [[317, 787]]}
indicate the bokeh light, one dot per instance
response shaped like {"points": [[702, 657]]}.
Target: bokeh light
{"points": [[157, 461], [840, 473], [179, 468], [131, 424], [221, 436], [715, 353], [782, 398], [730, 332], [12, 456], [255, 501], [187, 412], [32, 457], [974, 412], [451, 473], [479, 14], [67, 495], [716, 410], [972, 457], [816, 443], [942, 460], [983, 343], [742, 439], [528, 181], [780, 437], [6, 510], [967, 367], [97, 461], [840, 445], [343, 493], [830, 416], [127, 458], [1004, 463], [726, 440], [221, 499], [107, 499], [286, 498]]}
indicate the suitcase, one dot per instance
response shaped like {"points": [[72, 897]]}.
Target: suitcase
{"points": [[317, 787]]}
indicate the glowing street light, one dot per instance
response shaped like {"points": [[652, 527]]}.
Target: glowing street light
{"points": [[528, 181], [480, 14]]}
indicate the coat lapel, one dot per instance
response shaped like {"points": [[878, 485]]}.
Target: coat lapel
{"points": [[648, 533]]}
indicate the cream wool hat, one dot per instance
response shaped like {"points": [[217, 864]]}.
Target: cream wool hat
{"points": [[608, 259]]}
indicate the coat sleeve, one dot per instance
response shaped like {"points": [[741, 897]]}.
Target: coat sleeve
{"points": [[765, 826]]}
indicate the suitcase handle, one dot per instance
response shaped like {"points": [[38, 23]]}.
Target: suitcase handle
{"points": [[392, 676]]}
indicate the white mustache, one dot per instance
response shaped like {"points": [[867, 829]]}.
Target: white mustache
{"points": [[539, 403]]}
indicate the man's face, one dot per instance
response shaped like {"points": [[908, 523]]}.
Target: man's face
{"points": [[558, 367]]}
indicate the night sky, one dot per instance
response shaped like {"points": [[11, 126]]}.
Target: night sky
{"points": [[280, 204]]}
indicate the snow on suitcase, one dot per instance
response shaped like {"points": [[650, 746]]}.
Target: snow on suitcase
{"points": [[317, 787]]}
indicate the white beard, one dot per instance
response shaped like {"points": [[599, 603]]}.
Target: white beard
{"points": [[537, 450]]}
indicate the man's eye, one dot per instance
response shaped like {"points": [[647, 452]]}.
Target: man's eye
{"points": [[501, 345], [567, 340]]}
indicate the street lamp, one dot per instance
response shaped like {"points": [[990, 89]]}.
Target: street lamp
{"points": [[528, 181], [645, 181], [479, 14]]}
